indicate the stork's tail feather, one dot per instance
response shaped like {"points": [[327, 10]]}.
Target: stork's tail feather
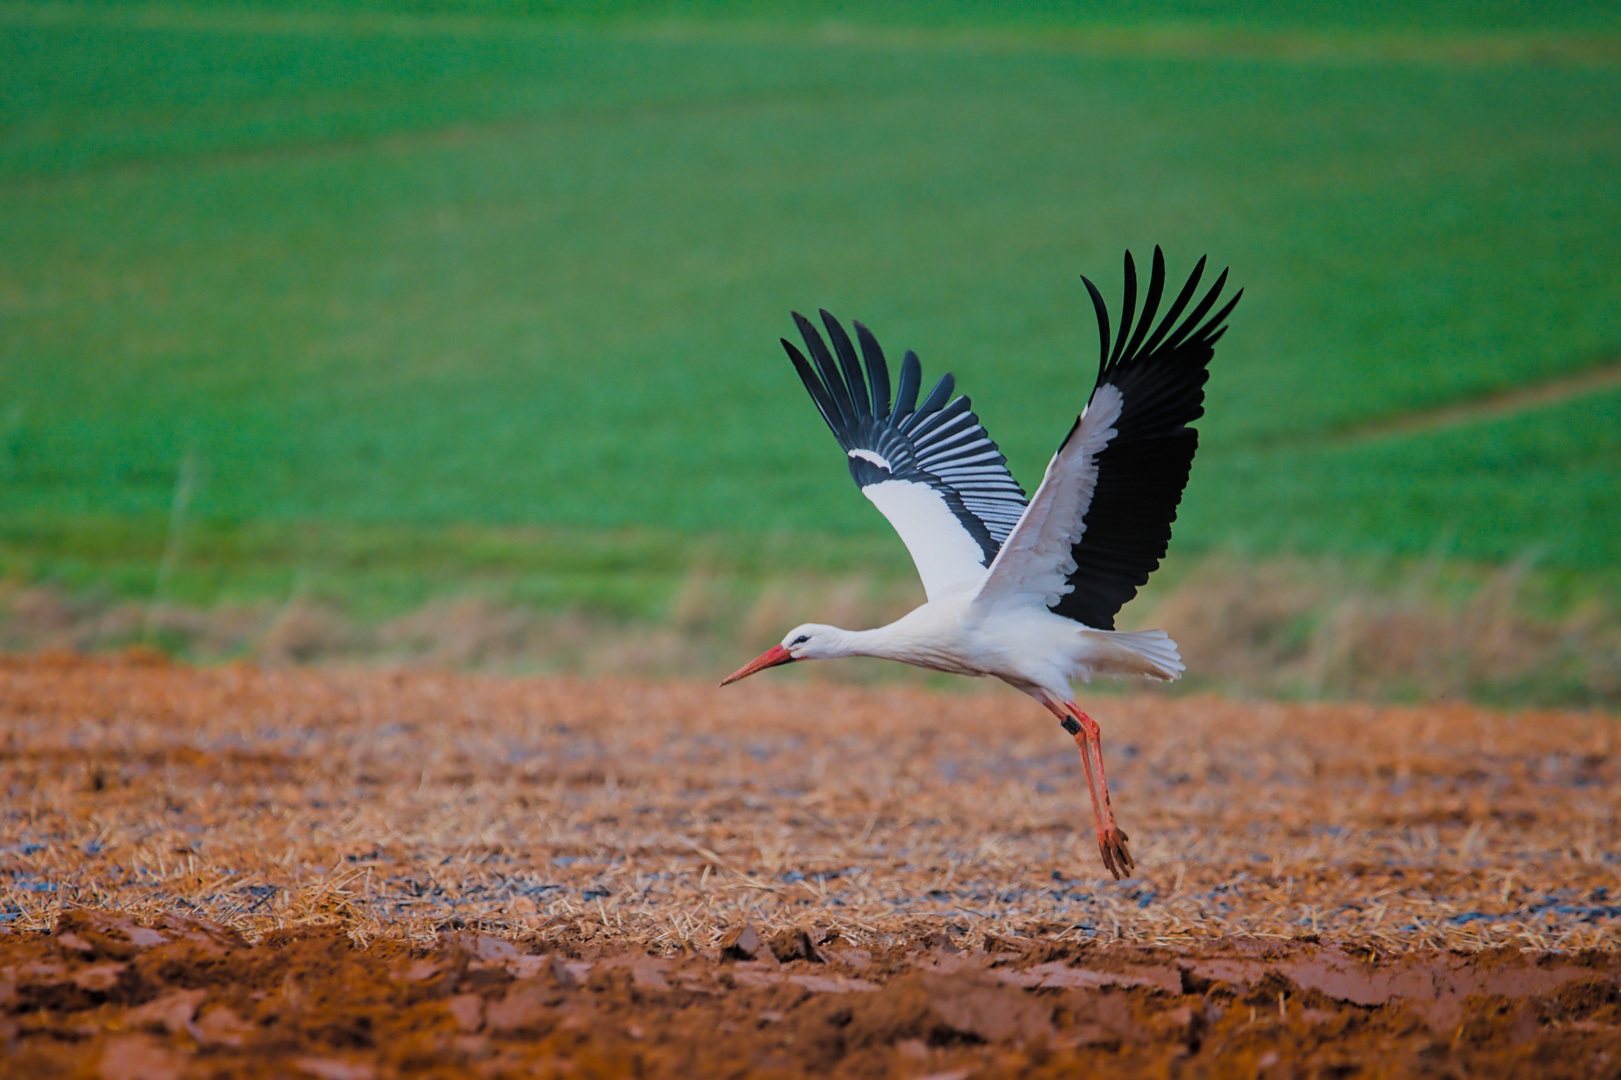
{"points": [[1150, 653]]}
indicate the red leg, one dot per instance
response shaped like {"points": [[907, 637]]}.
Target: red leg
{"points": [[1089, 740], [1111, 837], [1081, 744]]}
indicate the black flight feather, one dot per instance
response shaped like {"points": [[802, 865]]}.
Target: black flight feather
{"points": [[854, 378], [877, 370], [906, 392]]}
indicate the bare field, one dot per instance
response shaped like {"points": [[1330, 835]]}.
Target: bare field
{"points": [[351, 873]]}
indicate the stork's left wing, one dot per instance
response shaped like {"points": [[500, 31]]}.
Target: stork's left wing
{"points": [[1101, 521], [930, 469]]}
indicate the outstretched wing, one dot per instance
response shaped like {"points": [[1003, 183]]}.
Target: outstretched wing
{"points": [[1101, 521], [929, 468]]}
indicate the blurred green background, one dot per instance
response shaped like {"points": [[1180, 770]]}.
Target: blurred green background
{"points": [[384, 302]]}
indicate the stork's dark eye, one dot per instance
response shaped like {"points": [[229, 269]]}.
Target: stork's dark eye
{"points": [[800, 640]]}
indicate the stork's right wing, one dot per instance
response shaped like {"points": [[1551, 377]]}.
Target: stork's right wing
{"points": [[930, 469], [1101, 520]]}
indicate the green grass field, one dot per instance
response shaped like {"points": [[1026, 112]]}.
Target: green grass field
{"points": [[436, 297]]}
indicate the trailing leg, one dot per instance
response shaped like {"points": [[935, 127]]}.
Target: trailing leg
{"points": [[1089, 741]]}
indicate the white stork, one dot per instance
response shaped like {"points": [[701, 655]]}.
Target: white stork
{"points": [[1026, 592]]}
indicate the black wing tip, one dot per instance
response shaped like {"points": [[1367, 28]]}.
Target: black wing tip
{"points": [[807, 330], [1128, 310], [1169, 334], [1101, 307], [835, 328], [1216, 325], [1194, 326], [869, 343]]}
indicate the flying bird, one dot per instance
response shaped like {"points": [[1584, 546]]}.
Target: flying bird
{"points": [[1025, 590]]}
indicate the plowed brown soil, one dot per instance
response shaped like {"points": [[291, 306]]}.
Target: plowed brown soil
{"points": [[234, 872]]}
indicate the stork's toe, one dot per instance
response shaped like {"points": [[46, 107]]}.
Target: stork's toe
{"points": [[1116, 855]]}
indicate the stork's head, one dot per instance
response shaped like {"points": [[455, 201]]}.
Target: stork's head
{"points": [[812, 641]]}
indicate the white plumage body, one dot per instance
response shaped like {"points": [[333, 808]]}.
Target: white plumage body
{"points": [[1024, 645]]}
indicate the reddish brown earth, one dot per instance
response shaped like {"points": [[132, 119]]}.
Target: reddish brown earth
{"points": [[104, 996], [236, 872]]}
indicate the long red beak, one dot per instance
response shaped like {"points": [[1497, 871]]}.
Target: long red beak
{"points": [[770, 658]]}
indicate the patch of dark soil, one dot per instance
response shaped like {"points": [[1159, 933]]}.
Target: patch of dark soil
{"points": [[105, 996]]}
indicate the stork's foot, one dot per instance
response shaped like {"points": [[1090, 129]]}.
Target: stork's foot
{"points": [[1116, 855]]}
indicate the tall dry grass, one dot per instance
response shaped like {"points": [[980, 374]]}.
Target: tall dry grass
{"points": [[1425, 631], [1296, 628]]}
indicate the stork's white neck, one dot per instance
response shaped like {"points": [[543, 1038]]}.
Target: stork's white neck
{"points": [[877, 642], [912, 639]]}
